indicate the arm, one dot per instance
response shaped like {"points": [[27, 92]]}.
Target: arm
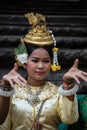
{"points": [[68, 110], [7, 90], [4, 108], [68, 105], [72, 77]]}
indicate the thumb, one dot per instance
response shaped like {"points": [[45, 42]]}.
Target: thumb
{"points": [[76, 62], [15, 67]]}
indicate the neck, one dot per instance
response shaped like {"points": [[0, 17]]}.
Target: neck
{"points": [[35, 83]]}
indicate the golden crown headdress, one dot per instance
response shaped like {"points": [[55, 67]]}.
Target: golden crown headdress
{"points": [[37, 35]]}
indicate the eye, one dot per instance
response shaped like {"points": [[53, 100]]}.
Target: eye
{"points": [[46, 61], [34, 60]]}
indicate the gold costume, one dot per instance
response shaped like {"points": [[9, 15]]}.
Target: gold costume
{"points": [[56, 108]]}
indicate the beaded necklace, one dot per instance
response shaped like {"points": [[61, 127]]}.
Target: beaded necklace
{"points": [[33, 99]]}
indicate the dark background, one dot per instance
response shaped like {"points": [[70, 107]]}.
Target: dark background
{"points": [[67, 19]]}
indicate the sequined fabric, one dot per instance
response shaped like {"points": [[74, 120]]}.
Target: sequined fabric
{"points": [[56, 108]]}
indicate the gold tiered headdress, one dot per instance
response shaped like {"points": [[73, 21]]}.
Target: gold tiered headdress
{"points": [[37, 35]]}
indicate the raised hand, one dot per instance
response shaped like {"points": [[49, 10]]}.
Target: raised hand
{"points": [[14, 77], [75, 73]]}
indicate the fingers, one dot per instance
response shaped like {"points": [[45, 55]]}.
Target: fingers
{"points": [[76, 79], [77, 76], [15, 67], [15, 78], [11, 83], [76, 62], [18, 79], [75, 73], [22, 79], [18, 82], [83, 76], [72, 76], [84, 73]]}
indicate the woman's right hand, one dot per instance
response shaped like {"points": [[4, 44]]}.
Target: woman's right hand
{"points": [[14, 77]]}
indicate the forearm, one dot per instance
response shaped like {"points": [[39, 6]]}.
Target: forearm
{"points": [[6, 91], [4, 108], [68, 110], [71, 98]]}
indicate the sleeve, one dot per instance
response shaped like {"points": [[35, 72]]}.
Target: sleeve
{"points": [[7, 124], [68, 110]]}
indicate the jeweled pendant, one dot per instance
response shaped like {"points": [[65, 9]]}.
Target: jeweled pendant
{"points": [[33, 99]]}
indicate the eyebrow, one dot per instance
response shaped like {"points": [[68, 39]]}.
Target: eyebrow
{"points": [[38, 57]]}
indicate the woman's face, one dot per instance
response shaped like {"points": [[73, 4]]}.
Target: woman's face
{"points": [[38, 65]]}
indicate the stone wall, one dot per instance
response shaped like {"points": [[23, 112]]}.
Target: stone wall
{"points": [[67, 19]]}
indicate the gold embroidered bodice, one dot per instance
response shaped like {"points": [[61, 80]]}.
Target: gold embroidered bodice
{"points": [[56, 108]]}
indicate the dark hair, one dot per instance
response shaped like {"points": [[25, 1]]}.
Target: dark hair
{"points": [[31, 48]]}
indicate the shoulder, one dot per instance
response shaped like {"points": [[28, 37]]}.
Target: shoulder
{"points": [[19, 91], [51, 84], [51, 87]]}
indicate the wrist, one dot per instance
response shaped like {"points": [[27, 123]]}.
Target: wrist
{"points": [[3, 82], [6, 90], [68, 92], [68, 84]]}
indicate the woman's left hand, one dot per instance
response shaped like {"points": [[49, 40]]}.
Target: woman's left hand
{"points": [[75, 73]]}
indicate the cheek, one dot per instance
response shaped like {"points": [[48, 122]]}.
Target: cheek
{"points": [[48, 66], [30, 67]]}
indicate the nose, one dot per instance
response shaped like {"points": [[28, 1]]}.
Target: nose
{"points": [[40, 65]]}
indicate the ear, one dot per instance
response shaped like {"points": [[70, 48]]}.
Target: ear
{"points": [[24, 66]]}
